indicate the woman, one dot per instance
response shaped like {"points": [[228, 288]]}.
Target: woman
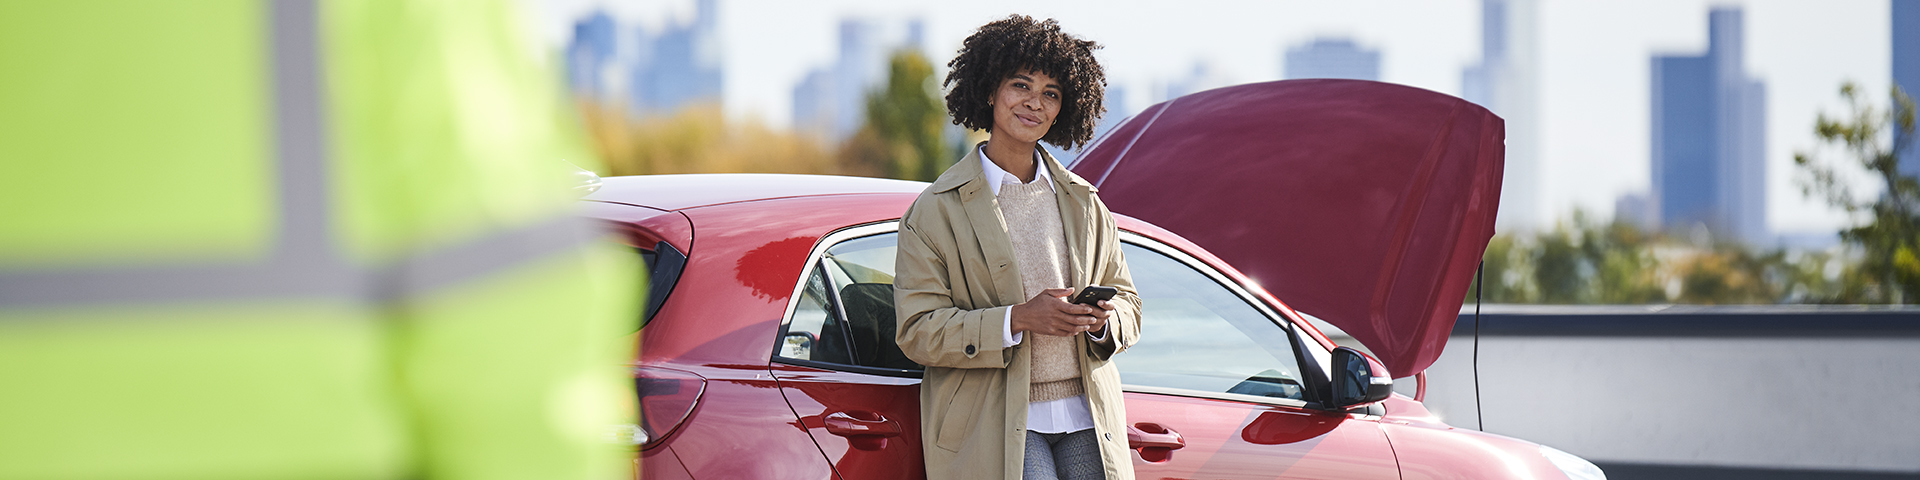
{"points": [[1018, 381]]}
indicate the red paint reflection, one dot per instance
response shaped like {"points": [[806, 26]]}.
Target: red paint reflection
{"points": [[1276, 428], [767, 269]]}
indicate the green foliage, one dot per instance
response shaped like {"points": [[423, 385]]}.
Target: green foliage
{"points": [[1889, 238], [1577, 262], [1587, 262], [904, 122], [1503, 267]]}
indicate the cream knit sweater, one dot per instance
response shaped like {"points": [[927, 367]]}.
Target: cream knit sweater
{"points": [[1040, 249]]}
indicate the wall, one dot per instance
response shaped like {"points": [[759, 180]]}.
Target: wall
{"points": [[1694, 392]]}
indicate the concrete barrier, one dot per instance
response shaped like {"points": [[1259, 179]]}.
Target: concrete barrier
{"points": [[1693, 392]]}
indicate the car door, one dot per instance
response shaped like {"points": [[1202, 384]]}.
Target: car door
{"points": [[1217, 387], [838, 367]]}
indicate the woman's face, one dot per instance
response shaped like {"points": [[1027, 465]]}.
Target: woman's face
{"points": [[1024, 106]]}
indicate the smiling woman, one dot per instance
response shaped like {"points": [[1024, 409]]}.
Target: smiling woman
{"points": [[1016, 376]]}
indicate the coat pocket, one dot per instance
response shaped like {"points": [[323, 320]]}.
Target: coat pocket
{"points": [[963, 405]]}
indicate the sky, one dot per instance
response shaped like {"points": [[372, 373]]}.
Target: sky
{"points": [[1594, 65]]}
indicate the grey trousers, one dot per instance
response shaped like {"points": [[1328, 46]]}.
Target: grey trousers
{"points": [[1063, 456]]}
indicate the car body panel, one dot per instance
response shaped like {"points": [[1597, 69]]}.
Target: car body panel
{"points": [[751, 255], [1239, 440], [1366, 204], [644, 225], [817, 395], [1440, 452], [660, 464], [741, 415]]}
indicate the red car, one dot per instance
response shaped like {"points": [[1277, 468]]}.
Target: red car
{"points": [[766, 348]]}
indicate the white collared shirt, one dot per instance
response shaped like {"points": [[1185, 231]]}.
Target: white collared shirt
{"points": [[997, 175], [1065, 415]]}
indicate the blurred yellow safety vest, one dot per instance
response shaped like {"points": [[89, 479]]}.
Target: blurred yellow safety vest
{"points": [[296, 239]]}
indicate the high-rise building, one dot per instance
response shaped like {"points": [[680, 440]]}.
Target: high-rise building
{"points": [[1906, 68], [831, 102], [1506, 82], [1201, 77], [813, 104], [681, 66], [1709, 136], [591, 54], [1328, 57]]}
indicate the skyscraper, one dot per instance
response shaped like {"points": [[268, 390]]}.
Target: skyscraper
{"points": [[830, 102], [590, 54], [1709, 136], [1331, 57], [1505, 81], [1906, 68], [681, 66]]}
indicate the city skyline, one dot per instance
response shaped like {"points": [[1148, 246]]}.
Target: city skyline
{"points": [[1506, 81], [1709, 137], [1331, 57], [1593, 88], [652, 73]]}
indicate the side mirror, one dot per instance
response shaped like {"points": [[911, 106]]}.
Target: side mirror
{"points": [[1358, 379], [798, 345]]}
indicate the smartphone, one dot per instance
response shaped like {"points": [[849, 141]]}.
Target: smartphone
{"points": [[1094, 294]]}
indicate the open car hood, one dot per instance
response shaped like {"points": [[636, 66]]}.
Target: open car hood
{"points": [[1366, 204]]}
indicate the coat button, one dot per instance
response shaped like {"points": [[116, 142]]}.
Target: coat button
{"points": [[1109, 436], [969, 349]]}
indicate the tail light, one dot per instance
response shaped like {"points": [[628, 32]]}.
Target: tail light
{"points": [[666, 399]]}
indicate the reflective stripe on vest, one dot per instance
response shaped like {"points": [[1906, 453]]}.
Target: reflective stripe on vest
{"points": [[305, 263]]}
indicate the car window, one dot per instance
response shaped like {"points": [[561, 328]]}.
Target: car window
{"points": [[801, 338], [845, 315], [662, 264], [1196, 335]]}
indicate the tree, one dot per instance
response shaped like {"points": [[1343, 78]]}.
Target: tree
{"points": [[906, 116], [1888, 243], [1507, 271], [1625, 270], [1559, 269]]}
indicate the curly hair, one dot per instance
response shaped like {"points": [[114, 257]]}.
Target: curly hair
{"points": [[1018, 43]]}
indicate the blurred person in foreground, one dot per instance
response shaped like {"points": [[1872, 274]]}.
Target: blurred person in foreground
{"points": [[1018, 381], [295, 239]]}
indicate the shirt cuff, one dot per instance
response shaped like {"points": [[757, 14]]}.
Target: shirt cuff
{"points": [[1007, 337], [1099, 337]]}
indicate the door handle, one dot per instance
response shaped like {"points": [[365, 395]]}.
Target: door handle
{"points": [[1156, 443], [861, 424]]}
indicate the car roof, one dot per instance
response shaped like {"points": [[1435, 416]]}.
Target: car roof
{"points": [[679, 192]]}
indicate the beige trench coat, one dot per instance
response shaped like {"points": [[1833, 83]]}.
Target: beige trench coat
{"points": [[956, 278]]}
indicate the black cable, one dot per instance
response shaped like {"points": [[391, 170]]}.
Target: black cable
{"points": [[1479, 283]]}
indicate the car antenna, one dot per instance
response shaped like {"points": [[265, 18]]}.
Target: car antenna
{"points": [[1479, 283]]}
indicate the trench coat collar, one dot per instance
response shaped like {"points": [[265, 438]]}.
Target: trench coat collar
{"points": [[968, 172]]}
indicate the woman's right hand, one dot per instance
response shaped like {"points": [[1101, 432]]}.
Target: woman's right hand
{"points": [[1049, 313]]}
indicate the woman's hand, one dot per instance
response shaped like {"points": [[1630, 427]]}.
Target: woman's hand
{"points": [[1049, 313]]}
